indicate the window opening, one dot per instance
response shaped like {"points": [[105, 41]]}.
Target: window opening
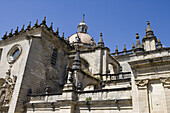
{"points": [[54, 57], [0, 53]]}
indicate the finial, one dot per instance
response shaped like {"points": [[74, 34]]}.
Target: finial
{"points": [[16, 31], [138, 46], [137, 35], [116, 50], [77, 38], [101, 43], [148, 27], [83, 18], [36, 23], [101, 34], [76, 61], [44, 21], [159, 44], [142, 45], [133, 46], [124, 48], [57, 32], [22, 30], [62, 36], [29, 26], [148, 23], [159, 40], [10, 34], [5, 36], [51, 27], [92, 41]]}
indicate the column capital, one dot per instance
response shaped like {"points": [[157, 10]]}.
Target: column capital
{"points": [[142, 84]]}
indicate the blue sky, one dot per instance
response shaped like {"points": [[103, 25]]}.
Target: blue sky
{"points": [[118, 20]]}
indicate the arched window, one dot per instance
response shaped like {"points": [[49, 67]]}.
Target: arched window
{"points": [[54, 57]]}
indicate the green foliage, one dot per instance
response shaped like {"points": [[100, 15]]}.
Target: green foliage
{"points": [[88, 98], [114, 82]]}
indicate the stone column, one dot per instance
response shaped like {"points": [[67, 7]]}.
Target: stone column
{"points": [[143, 96], [166, 85]]}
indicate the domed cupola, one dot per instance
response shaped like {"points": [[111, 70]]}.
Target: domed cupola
{"points": [[82, 27], [82, 38]]}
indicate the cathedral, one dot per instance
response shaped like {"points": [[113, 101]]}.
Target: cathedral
{"points": [[43, 72]]}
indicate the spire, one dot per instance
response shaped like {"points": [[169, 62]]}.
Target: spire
{"points": [[44, 21], [148, 26], [138, 47], [82, 27], [149, 39], [159, 40], [133, 46], [51, 27], [22, 29], [116, 50], [83, 18], [76, 61], [149, 32], [159, 45], [16, 31], [36, 24], [10, 34], [29, 26], [57, 32], [124, 48], [5, 36], [62, 36], [101, 43]]}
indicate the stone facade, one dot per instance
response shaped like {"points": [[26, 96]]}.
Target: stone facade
{"points": [[42, 72]]}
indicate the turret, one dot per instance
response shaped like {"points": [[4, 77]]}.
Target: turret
{"points": [[82, 27], [76, 61], [149, 39], [101, 43], [138, 46]]}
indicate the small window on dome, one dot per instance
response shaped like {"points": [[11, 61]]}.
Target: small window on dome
{"points": [[79, 29], [83, 29]]}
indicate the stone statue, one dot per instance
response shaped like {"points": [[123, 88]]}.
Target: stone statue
{"points": [[6, 88]]}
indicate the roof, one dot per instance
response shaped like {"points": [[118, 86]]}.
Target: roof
{"points": [[84, 38]]}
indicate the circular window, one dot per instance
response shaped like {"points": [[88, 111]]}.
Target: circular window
{"points": [[14, 53]]}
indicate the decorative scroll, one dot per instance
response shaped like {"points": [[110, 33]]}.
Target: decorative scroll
{"points": [[142, 83], [165, 81], [6, 88]]}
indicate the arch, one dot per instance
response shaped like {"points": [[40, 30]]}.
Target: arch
{"points": [[112, 68]]}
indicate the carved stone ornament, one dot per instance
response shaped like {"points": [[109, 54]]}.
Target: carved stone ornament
{"points": [[6, 88], [142, 83], [165, 81]]}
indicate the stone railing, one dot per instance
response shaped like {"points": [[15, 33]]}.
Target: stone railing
{"points": [[119, 76], [105, 94], [122, 53]]}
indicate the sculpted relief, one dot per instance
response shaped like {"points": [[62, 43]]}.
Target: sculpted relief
{"points": [[6, 88]]}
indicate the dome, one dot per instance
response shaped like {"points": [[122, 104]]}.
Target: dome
{"points": [[83, 38], [82, 23]]}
